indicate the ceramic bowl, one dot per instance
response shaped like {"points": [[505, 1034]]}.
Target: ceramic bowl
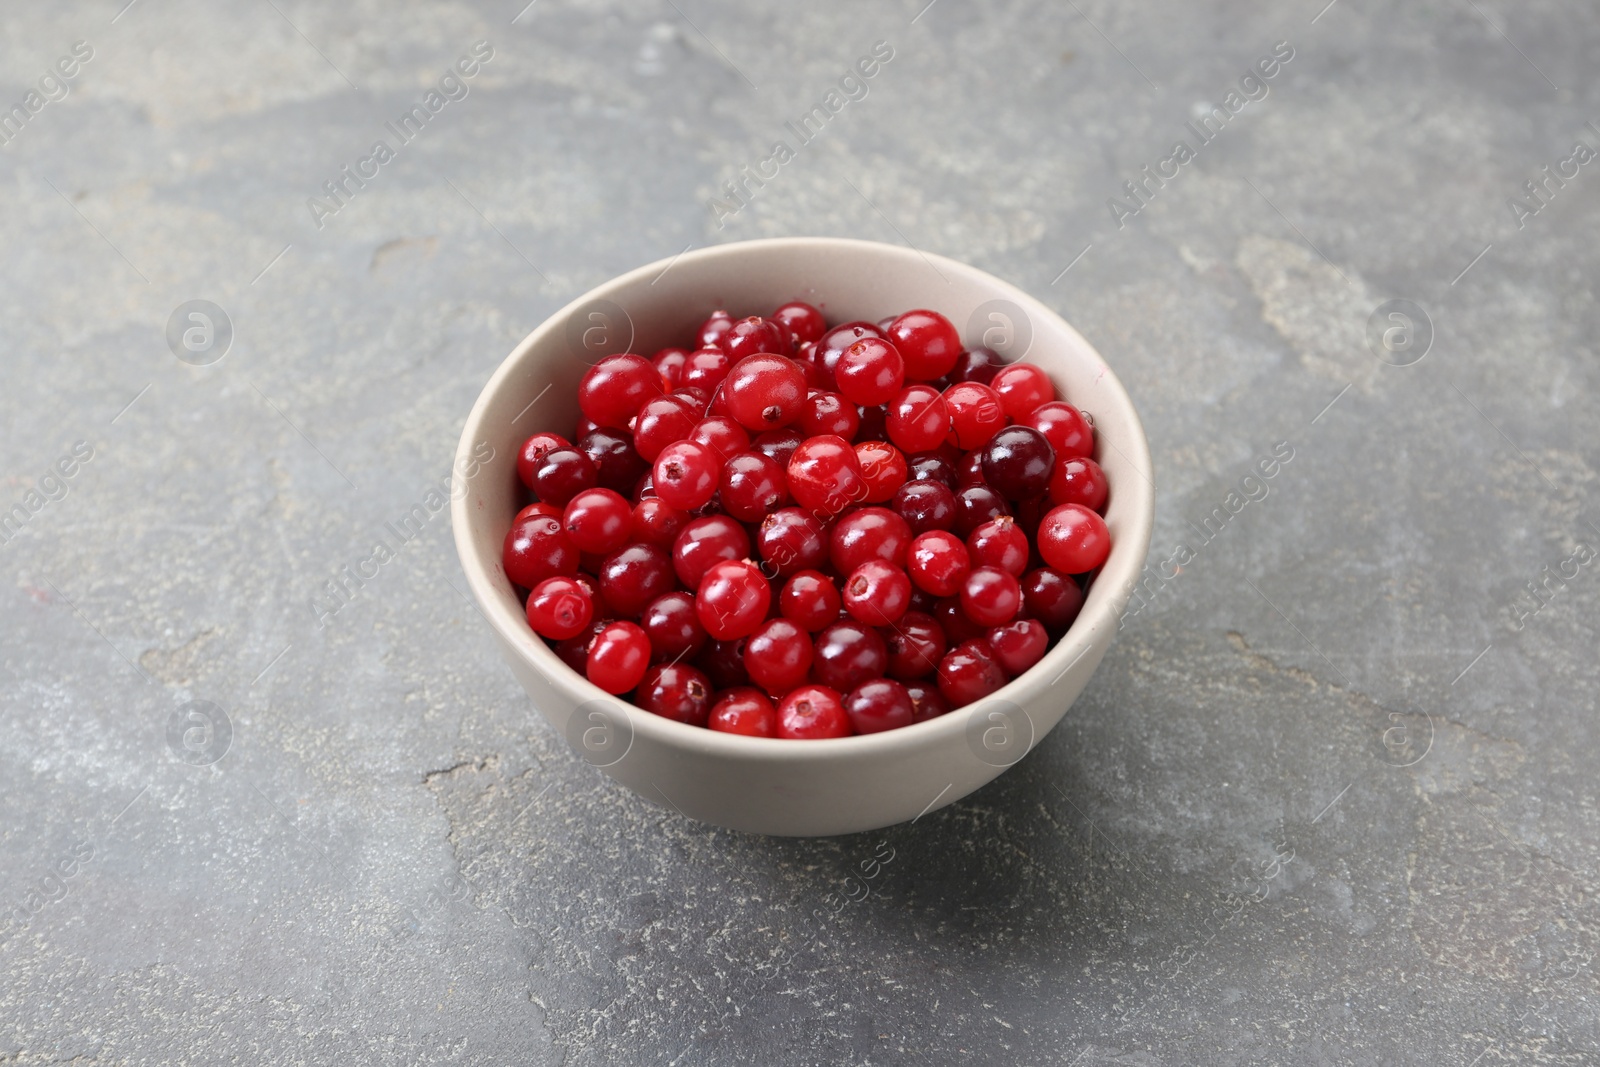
{"points": [[766, 785]]}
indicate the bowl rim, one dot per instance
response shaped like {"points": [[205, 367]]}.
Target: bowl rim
{"points": [[1117, 575]]}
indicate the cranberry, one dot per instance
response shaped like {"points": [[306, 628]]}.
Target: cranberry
{"points": [[723, 661], [917, 418], [675, 691], [812, 712], [619, 656], [705, 369], [877, 593], [1079, 480], [868, 533], [585, 427], [928, 341], [970, 470], [778, 444], [669, 364], [828, 413], [574, 651], [804, 321], [1017, 462], [978, 365], [883, 468], [968, 673], [673, 627], [878, 705], [957, 627], [938, 562], [533, 452], [1064, 426], [617, 465], [810, 600], [874, 424], [722, 435], [931, 467], [831, 345], [732, 600], [632, 578], [599, 520], [539, 508], [614, 389], [655, 522], [791, 540], [716, 324], [847, 654], [976, 505], [744, 710], [751, 336], [661, 421], [975, 414], [1022, 387], [999, 543], [778, 655], [870, 372], [564, 474], [752, 486], [1052, 598], [705, 541], [925, 506], [1019, 645], [824, 475], [535, 549], [990, 596], [1073, 539], [686, 474], [764, 391], [916, 646], [926, 701], [559, 608]]}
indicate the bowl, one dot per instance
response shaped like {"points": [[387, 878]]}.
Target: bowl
{"points": [[769, 785]]}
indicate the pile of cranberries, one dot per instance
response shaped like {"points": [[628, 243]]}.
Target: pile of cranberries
{"points": [[799, 531]]}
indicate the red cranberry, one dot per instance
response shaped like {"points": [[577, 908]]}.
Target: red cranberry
{"points": [[778, 655], [824, 475], [617, 465], [870, 372], [716, 324], [732, 599], [534, 450], [878, 705], [917, 419], [574, 651], [764, 392], [1022, 387], [722, 435], [539, 508], [686, 474], [978, 365], [723, 662], [931, 467], [969, 471], [753, 485], [559, 608], [975, 414], [925, 506], [632, 578], [938, 562], [877, 593], [926, 701], [847, 654], [874, 424], [828, 413], [618, 657], [599, 520], [585, 427], [957, 627], [661, 421], [990, 596], [705, 541], [804, 321], [1073, 539], [1079, 480], [1017, 462], [744, 710], [976, 505], [969, 673], [673, 627], [1019, 645], [810, 600], [812, 712], [564, 474], [675, 691], [831, 345], [928, 341], [669, 364], [778, 445], [614, 389], [1064, 426], [791, 540], [915, 647], [535, 549], [868, 533], [883, 468], [999, 543], [751, 336], [655, 522], [705, 369], [1052, 598]]}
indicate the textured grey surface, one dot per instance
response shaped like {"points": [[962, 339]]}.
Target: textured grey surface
{"points": [[1330, 799]]}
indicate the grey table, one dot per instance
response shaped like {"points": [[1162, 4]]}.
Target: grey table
{"points": [[1330, 799]]}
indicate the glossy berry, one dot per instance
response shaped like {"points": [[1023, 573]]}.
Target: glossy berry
{"points": [[916, 644], [538, 548], [706, 541], [999, 543], [663, 420], [748, 337], [686, 474], [634, 576], [810, 600], [668, 363], [559, 608], [868, 533], [676, 691], [716, 324], [828, 413], [764, 392], [722, 435], [975, 414], [1019, 645], [825, 476], [614, 389], [877, 593], [990, 596], [1073, 539], [804, 321], [744, 710], [574, 651], [1017, 462], [752, 486], [778, 655], [917, 419], [926, 701], [778, 445], [564, 474], [847, 654], [538, 508], [1079, 480], [969, 471], [1064, 426], [732, 599], [870, 372], [723, 662], [618, 658], [673, 627], [938, 563], [976, 505], [617, 465], [928, 341], [969, 672], [874, 424], [831, 345], [1022, 387], [978, 365], [812, 712], [925, 506], [655, 522], [878, 705], [533, 452], [790, 540], [931, 467], [883, 469], [1052, 598], [705, 369], [598, 521]]}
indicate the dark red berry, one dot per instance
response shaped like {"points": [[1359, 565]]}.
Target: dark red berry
{"points": [[1019, 645], [1052, 598], [878, 705], [1017, 462], [968, 673], [534, 450], [868, 533], [655, 522], [617, 465], [957, 627], [978, 365], [564, 474], [828, 413], [778, 655], [791, 540], [877, 593], [538, 548], [723, 662], [999, 543], [631, 578], [804, 321], [673, 627], [976, 505], [926, 701], [778, 445], [931, 467], [916, 644], [1079, 480], [686, 474], [925, 506], [847, 654], [675, 691], [574, 651], [810, 600], [752, 486], [619, 656]]}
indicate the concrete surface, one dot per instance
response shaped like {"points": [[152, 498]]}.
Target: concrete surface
{"points": [[1330, 800]]}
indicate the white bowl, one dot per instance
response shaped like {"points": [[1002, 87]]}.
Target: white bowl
{"points": [[765, 785]]}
